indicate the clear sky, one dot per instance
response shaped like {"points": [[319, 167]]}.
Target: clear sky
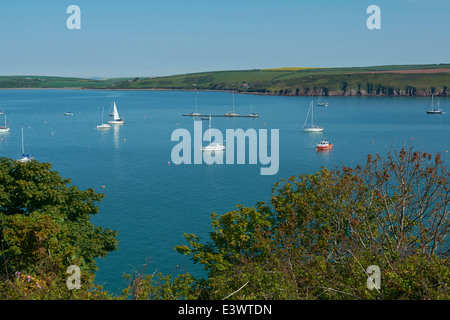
{"points": [[152, 38]]}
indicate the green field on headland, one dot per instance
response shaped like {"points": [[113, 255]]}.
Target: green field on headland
{"points": [[395, 80]]}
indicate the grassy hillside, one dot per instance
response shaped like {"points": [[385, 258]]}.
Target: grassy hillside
{"points": [[384, 80], [410, 80], [21, 82]]}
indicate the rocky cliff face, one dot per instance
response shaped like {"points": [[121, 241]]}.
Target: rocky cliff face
{"points": [[371, 91]]}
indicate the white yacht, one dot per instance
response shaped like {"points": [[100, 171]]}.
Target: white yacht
{"points": [[5, 128], [252, 114], [213, 146], [312, 128], [116, 118], [321, 103], [195, 114], [25, 157], [103, 125], [231, 113], [433, 110]]}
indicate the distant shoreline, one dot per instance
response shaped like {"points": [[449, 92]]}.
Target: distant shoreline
{"points": [[388, 80]]}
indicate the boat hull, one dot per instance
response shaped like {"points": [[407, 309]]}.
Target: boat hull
{"points": [[324, 148], [214, 147], [25, 158], [103, 126], [312, 129]]}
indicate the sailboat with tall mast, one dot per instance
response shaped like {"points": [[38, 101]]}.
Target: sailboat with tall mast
{"points": [[231, 113], [252, 114], [212, 146], [321, 103], [5, 128], [25, 157], [195, 114], [433, 110], [312, 128], [103, 125]]}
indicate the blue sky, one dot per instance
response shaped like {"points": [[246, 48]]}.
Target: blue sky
{"points": [[153, 38]]}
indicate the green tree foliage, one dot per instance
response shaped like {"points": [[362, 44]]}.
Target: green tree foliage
{"points": [[45, 225], [157, 286], [322, 231]]}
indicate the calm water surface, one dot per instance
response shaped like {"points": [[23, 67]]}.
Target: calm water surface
{"points": [[152, 203]]}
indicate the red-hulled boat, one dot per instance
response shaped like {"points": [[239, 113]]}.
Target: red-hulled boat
{"points": [[323, 145]]}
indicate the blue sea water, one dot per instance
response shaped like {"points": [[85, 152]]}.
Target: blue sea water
{"points": [[152, 202]]}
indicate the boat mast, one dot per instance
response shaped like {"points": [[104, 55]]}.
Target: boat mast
{"points": [[233, 101], [210, 128], [306, 119], [23, 149]]}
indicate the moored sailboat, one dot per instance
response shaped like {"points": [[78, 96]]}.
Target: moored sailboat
{"points": [[195, 114], [312, 128], [321, 103], [212, 146], [5, 128], [25, 157], [103, 125], [433, 110], [231, 113], [252, 114]]}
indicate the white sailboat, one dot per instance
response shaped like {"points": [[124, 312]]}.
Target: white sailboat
{"points": [[103, 125], [231, 113], [212, 146], [433, 110], [312, 128], [252, 114], [321, 103], [116, 117], [5, 128], [68, 113], [25, 157], [195, 114]]}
